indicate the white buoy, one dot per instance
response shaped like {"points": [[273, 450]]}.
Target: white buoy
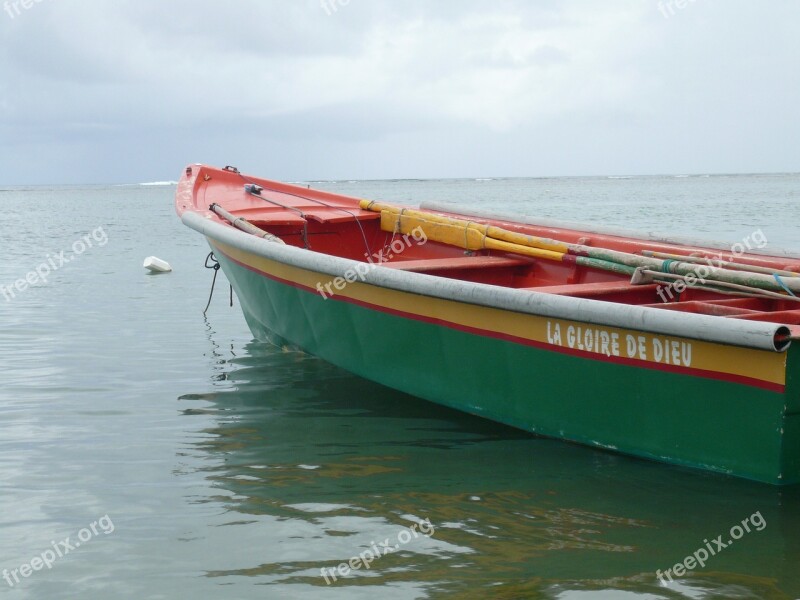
{"points": [[156, 265]]}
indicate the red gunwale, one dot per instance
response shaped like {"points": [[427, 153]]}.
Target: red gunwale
{"points": [[335, 224]]}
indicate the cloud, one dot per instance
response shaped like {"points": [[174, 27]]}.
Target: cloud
{"points": [[96, 76]]}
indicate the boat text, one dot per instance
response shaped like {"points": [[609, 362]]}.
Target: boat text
{"points": [[597, 340]]}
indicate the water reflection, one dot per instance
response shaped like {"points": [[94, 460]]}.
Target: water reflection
{"points": [[312, 466]]}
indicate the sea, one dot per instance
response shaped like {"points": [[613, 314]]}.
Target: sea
{"points": [[149, 451]]}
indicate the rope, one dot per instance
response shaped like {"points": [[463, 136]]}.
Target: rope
{"points": [[783, 284], [216, 267], [306, 244], [320, 202], [398, 225]]}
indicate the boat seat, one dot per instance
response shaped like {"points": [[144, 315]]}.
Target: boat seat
{"points": [[590, 290], [784, 317], [705, 308], [456, 263], [280, 216], [340, 215]]}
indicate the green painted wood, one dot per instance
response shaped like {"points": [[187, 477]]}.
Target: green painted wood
{"points": [[674, 418]]}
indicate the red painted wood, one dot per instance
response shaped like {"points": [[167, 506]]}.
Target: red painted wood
{"points": [[335, 224], [466, 262]]}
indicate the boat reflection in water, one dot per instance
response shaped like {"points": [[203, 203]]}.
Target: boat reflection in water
{"points": [[307, 466]]}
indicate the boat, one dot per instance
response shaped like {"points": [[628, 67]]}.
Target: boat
{"points": [[669, 350]]}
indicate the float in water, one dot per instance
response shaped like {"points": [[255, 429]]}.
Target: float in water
{"points": [[672, 351]]}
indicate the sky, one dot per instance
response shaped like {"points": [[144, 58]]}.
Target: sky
{"points": [[123, 91]]}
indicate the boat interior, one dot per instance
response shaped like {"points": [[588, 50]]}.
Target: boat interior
{"points": [[339, 226]]}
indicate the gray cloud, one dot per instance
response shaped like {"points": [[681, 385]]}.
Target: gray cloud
{"points": [[130, 91]]}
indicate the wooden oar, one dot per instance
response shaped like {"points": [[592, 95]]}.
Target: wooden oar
{"points": [[487, 231], [475, 236], [739, 289], [718, 262], [244, 224]]}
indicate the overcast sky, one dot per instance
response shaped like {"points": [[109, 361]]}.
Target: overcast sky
{"points": [[111, 91]]}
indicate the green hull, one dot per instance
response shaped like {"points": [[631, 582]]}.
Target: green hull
{"points": [[676, 418]]}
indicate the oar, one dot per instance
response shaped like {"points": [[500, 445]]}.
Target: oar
{"points": [[718, 262], [497, 233], [738, 289], [244, 224], [475, 236]]}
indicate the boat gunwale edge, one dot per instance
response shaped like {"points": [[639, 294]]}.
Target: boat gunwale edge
{"points": [[749, 334]]}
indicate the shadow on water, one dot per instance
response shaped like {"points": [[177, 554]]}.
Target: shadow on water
{"points": [[314, 466]]}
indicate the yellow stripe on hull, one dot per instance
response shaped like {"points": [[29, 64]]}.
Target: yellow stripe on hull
{"points": [[592, 341]]}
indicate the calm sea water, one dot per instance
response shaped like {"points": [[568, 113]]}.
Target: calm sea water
{"points": [[212, 466]]}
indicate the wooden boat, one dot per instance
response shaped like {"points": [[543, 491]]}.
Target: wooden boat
{"points": [[668, 351]]}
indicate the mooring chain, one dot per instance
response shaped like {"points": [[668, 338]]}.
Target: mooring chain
{"points": [[215, 266]]}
